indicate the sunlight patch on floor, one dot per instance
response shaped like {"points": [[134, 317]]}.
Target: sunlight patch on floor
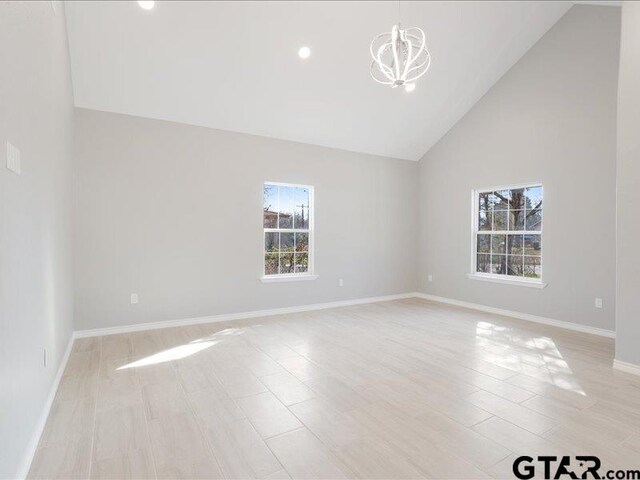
{"points": [[175, 353], [544, 362]]}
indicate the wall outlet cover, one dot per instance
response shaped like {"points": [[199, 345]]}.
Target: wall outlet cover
{"points": [[13, 158]]}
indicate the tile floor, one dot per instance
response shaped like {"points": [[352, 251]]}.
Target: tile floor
{"points": [[403, 389]]}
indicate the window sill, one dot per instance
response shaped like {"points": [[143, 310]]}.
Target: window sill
{"points": [[507, 281], [287, 278]]}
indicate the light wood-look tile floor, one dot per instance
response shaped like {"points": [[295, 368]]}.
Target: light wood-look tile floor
{"points": [[403, 389]]}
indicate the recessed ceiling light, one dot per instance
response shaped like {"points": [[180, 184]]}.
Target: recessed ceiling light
{"points": [[304, 52], [409, 87], [146, 4]]}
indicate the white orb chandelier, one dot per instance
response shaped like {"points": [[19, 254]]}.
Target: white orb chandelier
{"points": [[400, 56]]}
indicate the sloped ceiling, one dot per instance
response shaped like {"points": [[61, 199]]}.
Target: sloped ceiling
{"points": [[234, 66]]}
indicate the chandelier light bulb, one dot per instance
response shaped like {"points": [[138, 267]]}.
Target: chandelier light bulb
{"points": [[399, 57]]}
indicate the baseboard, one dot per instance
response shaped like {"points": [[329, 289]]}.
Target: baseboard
{"points": [[521, 316], [342, 303], [236, 316], [626, 367], [30, 451]]}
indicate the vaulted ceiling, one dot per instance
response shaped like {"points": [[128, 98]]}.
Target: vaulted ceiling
{"points": [[234, 65]]}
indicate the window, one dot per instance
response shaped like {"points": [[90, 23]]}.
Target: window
{"points": [[507, 233], [288, 230]]}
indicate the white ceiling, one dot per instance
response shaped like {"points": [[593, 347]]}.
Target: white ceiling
{"points": [[234, 66]]}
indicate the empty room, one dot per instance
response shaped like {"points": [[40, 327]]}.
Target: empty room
{"points": [[320, 240]]}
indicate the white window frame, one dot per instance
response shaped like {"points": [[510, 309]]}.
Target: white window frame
{"points": [[291, 277], [493, 277]]}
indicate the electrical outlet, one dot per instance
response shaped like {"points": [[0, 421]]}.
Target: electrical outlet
{"points": [[134, 298], [13, 159], [598, 303], [430, 278], [340, 282]]}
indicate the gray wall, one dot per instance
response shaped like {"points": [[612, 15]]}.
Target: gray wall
{"points": [[550, 119], [628, 238], [36, 304], [174, 213]]}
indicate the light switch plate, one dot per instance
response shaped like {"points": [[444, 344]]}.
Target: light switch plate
{"points": [[134, 298], [598, 303], [13, 158]]}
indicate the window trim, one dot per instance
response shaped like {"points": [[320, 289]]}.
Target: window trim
{"points": [[518, 281], [493, 277], [291, 277]]}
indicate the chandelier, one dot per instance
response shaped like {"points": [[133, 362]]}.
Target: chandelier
{"points": [[400, 57]]}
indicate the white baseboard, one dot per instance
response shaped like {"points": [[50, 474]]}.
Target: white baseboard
{"points": [[30, 450], [236, 316], [626, 367], [522, 316], [342, 303]]}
